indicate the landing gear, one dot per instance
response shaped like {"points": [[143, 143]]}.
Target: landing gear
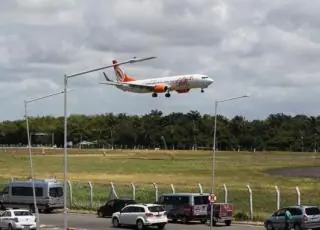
{"points": [[167, 94], [202, 91], [154, 94]]}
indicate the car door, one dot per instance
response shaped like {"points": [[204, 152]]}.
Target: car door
{"points": [[200, 205], [279, 219], [5, 218], [118, 205], [2, 216], [124, 216], [135, 212], [109, 208], [296, 214]]}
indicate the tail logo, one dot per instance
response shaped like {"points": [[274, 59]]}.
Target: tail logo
{"points": [[121, 75]]}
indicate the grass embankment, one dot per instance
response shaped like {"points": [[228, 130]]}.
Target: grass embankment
{"points": [[185, 171]]}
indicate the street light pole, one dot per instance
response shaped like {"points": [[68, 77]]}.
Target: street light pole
{"points": [[30, 153], [214, 144], [65, 154], [66, 77], [214, 148], [31, 168]]}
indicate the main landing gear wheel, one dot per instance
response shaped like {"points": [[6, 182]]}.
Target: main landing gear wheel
{"points": [[167, 95], [202, 91], [154, 94]]}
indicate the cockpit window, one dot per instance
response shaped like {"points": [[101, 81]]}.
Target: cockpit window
{"points": [[204, 77]]}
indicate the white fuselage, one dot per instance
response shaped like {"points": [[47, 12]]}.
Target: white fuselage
{"points": [[175, 83]]}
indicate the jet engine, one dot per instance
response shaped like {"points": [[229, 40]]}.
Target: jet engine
{"points": [[161, 88]]}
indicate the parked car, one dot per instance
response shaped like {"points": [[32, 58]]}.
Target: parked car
{"points": [[141, 215], [185, 206], [112, 206], [303, 217], [222, 212], [17, 219]]}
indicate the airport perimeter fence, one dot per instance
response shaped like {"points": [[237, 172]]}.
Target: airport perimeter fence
{"points": [[249, 202]]}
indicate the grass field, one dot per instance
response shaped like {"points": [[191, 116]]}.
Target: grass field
{"points": [[185, 170]]}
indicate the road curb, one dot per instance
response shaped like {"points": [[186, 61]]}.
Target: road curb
{"points": [[248, 223], [81, 212], [51, 227]]}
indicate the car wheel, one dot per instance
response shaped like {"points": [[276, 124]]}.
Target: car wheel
{"points": [[184, 220], [161, 226], [115, 222], [297, 227], [140, 225], [269, 226], [100, 214], [203, 221], [9, 227], [227, 222], [174, 220]]}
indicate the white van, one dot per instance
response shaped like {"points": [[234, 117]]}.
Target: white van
{"points": [[19, 194]]}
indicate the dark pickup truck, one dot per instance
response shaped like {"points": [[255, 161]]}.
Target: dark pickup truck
{"points": [[222, 212]]}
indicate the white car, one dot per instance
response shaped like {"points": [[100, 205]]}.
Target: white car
{"points": [[17, 219], [141, 215]]}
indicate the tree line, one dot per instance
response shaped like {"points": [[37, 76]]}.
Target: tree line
{"points": [[172, 131]]}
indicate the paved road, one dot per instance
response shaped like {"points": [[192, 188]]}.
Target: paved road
{"points": [[91, 222]]}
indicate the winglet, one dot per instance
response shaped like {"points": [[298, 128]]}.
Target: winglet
{"points": [[106, 77]]}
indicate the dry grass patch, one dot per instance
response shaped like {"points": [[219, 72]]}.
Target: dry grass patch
{"points": [[185, 170]]}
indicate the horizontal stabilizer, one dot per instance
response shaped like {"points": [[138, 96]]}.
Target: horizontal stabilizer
{"points": [[110, 83]]}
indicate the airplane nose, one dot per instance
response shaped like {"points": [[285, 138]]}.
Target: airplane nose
{"points": [[210, 81]]}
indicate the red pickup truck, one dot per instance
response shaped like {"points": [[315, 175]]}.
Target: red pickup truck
{"points": [[222, 212]]}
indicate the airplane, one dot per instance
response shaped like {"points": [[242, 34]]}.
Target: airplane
{"points": [[179, 83]]}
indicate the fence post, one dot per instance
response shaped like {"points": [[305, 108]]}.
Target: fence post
{"points": [[70, 193], [250, 202], [200, 188], [278, 197], [112, 192], [156, 189], [133, 191], [90, 194], [173, 189], [225, 193], [298, 195]]}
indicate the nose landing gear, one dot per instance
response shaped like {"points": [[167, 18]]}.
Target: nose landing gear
{"points": [[202, 91]]}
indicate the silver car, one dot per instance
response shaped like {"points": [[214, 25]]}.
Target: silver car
{"points": [[303, 217]]}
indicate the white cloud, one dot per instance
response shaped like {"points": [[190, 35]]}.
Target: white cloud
{"points": [[268, 48]]}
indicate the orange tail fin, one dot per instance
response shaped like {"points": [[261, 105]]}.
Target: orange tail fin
{"points": [[120, 74]]}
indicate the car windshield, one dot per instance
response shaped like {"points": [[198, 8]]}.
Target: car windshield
{"points": [[312, 211], [22, 213], [156, 209]]}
